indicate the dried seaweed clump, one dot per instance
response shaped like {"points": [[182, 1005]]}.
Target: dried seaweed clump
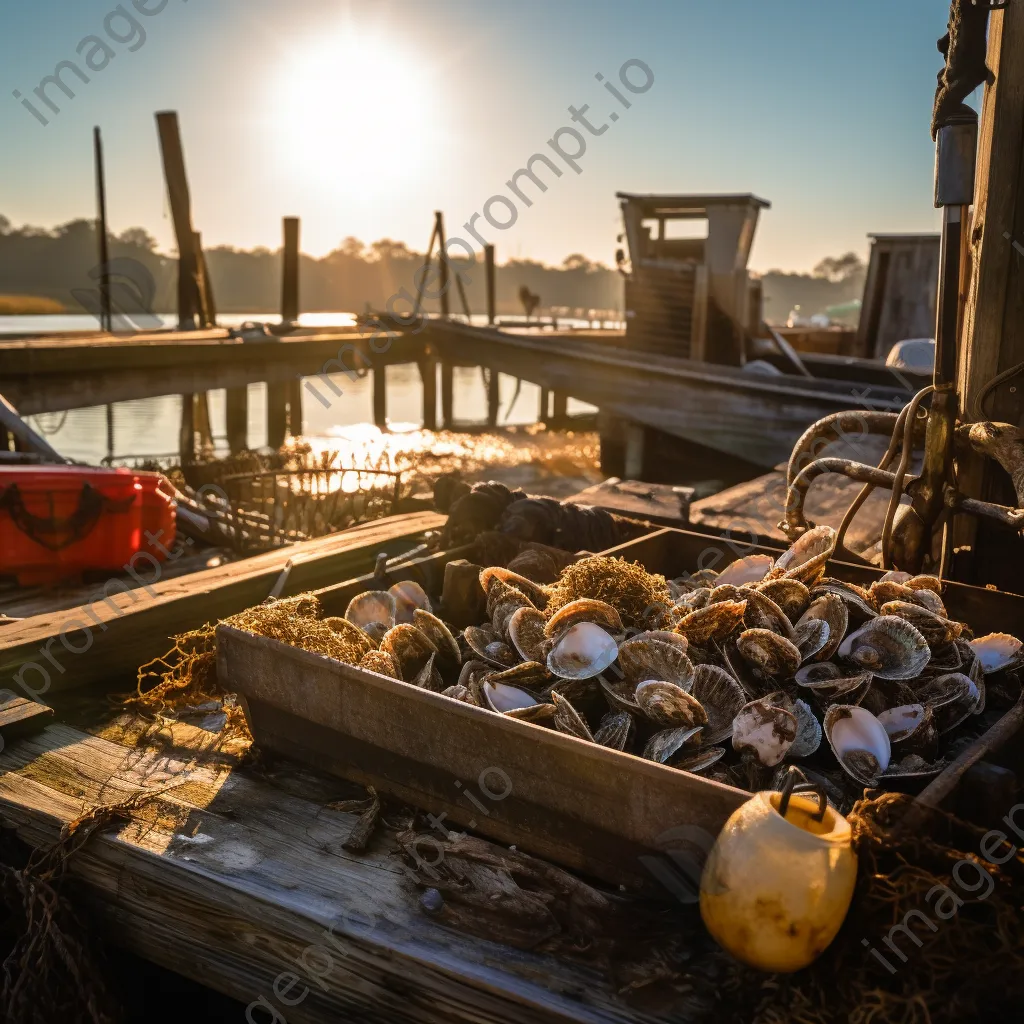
{"points": [[295, 621], [627, 586]]}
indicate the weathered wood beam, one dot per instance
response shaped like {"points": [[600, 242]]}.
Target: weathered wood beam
{"points": [[236, 402], [290, 272], [447, 395], [277, 413]]}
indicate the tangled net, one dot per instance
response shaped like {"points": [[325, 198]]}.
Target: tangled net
{"points": [[627, 586], [969, 963]]}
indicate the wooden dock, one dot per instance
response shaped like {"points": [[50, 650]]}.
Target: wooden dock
{"points": [[240, 881]]}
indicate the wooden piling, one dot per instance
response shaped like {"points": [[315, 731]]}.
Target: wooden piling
{"points": [[447, 395], [443, 282], [380, 396], [277, 413], [110, 432], [295, 407], [207, 310], [491, 291], [290, 272], [493, 397], [633, 462], [187, 432], [201, 421], [237, 418], [189, 303], [559, 409], [993, 341], [106, 312], [428, 374]]}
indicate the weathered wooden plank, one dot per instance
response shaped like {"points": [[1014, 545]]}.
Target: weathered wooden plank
{"points": [[236, 882], [19, 716], [120, 629]]}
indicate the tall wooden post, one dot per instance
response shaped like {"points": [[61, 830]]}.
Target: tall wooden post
{"points": [[277, 413], [189, 300], [295, 407], [428, 374], [207, 304], [380, 396], [544, 413], [106, 313], [493, 397], [236, 401], [442, 263], [187, 433], [290, 272], [447, 395], [560, 409], [201, 421], [110, 432], [491, 291], [994, 314]]}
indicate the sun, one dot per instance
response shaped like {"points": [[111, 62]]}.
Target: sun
{"points": [[354, 108]]}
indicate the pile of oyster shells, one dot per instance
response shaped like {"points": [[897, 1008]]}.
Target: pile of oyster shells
{"points": [[764, 663]]}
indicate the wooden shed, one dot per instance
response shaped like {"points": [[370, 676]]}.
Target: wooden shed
{"points": [[899, 292]]}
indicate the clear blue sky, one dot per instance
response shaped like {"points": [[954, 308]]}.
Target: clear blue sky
{"points": [[362, 117]]}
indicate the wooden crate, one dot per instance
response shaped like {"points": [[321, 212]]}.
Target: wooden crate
{"points": [[596, 810]]}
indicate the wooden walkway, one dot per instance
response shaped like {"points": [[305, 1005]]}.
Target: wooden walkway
{"points": [[240, 881]]}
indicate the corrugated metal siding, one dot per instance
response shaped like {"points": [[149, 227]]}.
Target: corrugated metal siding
{"points": [[659, 311]]}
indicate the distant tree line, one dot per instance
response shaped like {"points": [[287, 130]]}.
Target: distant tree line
{"points": [[53, 264]]}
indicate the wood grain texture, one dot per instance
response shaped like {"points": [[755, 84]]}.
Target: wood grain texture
{"points": [[234, 880], [120, 629]]}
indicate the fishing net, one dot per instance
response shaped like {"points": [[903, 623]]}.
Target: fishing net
{"points": [[627, 586]]}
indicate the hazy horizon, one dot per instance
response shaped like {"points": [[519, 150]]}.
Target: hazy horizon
{"points": [[363, 118]]}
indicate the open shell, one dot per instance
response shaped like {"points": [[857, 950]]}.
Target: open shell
{"points": [[649, 656], [537, 594], [584, 650], [584, 609], [811, 637], [722, 698], [934, 628], [805, 559], [352, 634], [887, 646], [808, 728], [858, 601], [668, 705], [748, 569], [789, 594], [409, 596], [526, 631], [764, 730], [712, 622], [911, 729], [502, 697], [503, 601], [763, 613], [485, 643], [621, 695], [832, 609], [859, 741], [410, 649], [440, 636], [665, 745], [997, 651], [372, 606], [703, 759], [568, 720], [616, 730]]}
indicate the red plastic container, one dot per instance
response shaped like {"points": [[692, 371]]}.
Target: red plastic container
{"points": [[59, 522]]}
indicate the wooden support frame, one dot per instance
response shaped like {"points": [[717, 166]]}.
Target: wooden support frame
{"points": [[290, 272]]}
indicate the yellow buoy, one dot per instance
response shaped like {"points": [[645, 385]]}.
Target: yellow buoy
{"points": [[777, 886]]}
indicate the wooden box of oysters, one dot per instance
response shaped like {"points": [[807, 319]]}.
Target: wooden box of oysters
{"points": [[593, 710]]}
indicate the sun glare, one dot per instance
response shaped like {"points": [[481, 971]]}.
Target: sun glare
{"points": [[354, 108]]}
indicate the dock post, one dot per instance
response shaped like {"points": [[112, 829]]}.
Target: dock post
{"points": [[428, 374], [633, 468], [187, 433], [544, 413], [189, 302], [110, 432], [277, 413], [447, 395], [559, 410], [380, 396], [106, 313], [237, 417], [290, 272], [491, 304], [442, 262], [201, 421], [493, 397], [295, 407]]}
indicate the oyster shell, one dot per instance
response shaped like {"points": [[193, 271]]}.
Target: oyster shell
{"points": [[582, 651], [997, 651], [503, 601], [828, 682], [531, 674], [410, 649], [616, 730], [857, 600], [448, 653], [764, 730], [692, 601], [789, 594], [458, 692], [485, 643], [351, 633], [703, 759], [808, 728], [665, 745], [534, 592], [668, 705], [648, 656], [526, 631], [940, 691], [584, 609], [805, 559], [774, 655], [621, 695], [568, 720], [911, 729], [428, 677], [381, 663], [372, 606], [712, 622], [763, 613], [832, 609], [748, 569], [929, 599], [811, 637], [934, 628], [375, 631], [722, 698], [859, 741], [409, 596], [502, 697], [888, 647]]}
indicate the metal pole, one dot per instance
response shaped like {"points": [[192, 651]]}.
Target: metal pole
{"points": [[106, 315]]}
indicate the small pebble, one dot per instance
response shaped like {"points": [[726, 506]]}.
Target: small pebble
{"points": [[432, 901]]}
